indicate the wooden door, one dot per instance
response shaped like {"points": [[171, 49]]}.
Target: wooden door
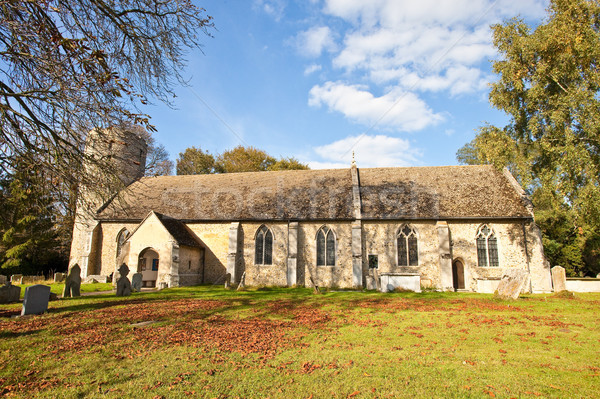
{"points": [[458, 275]]}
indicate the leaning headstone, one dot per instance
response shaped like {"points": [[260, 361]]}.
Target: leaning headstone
{"points": [[123, 283], [16, 278], [96, 278], [9, 293], [36, 299], [559, 278], [136, 282], [512, 283], [3, 279], [73, 282], [228, 281], [59, 277]]}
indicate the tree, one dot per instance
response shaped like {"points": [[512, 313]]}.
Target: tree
{"points": [[30, 236], [549, 86], [194, 161], [70, 66], [244, 159], [288, 164]]}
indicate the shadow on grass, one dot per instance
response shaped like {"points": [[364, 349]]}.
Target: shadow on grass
{"points": [[11, 334]]}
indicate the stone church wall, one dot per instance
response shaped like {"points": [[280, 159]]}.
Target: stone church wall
{"points": [[379, 238], [340, 275], [108, 258], [265, 275], [215, 239]]}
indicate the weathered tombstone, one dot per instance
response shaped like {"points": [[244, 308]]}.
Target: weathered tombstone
{"points": [[96, 278], [123, 283], [73, 282], [559, 278], [136, 282], [53, 297], [512, 283], [59, 277], [228, 281], [9, 293], [36, 299], [16, 278], [371, 282], [3, 279]]}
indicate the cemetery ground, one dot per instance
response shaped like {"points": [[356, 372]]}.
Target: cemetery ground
{"points": [[290, 343]]}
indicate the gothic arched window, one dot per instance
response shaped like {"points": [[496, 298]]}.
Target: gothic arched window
{"points": [[263, 246], [408, 251], [121, 237], [487, 247], [325, 247]]}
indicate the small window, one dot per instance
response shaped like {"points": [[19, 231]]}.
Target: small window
{"points": [[487, 247], [408, 250], [121, 237], [263, 246], [325, 247], [373, 262]]}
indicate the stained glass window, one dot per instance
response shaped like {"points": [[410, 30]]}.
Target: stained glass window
{"points": [[487, 247], [263, 246], [325, 247]]}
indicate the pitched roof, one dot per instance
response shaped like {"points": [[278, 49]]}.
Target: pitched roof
{"points": [[443, 192], [174, 227]]}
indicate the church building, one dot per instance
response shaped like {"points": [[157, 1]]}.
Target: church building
{"points": [[444, 228]]}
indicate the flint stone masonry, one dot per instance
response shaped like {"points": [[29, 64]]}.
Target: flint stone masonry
{"points": [[512, 283], [31, 279], [9, 293], [36, 299], [559, 279]]}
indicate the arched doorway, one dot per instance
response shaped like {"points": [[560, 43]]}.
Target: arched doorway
{"points": [[148, 266], [458, 275]]}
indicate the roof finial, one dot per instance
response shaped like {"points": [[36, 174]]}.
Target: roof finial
{"points": [[353, 161]]}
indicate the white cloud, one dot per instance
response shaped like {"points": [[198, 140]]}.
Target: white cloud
{"points": [[370, 151], [397, 109], [437, 45], [312, 68], [274, 8], [314, 41]]}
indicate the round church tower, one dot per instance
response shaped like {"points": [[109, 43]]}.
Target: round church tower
{"points": [[114, 158]]}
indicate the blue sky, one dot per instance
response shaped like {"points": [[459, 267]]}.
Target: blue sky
{"points": [[399, 82]]}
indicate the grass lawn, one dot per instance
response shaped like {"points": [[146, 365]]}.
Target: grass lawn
{"points": [[290, 343]]}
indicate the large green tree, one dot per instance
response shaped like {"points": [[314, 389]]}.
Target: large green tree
{"points": [[549, 85], [194, 161]]}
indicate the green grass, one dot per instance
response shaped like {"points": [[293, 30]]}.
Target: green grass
{"points": [[282, 343], [58, 288]]}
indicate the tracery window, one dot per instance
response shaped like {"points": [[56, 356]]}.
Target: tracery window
{"points": [[487, 247], [263, 246], [121, 237], [408, 250], [325, 247]]}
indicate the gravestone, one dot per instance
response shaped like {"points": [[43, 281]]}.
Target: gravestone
{"points": [[16, 278], [96, 278], [3, 279], [559, 279], [59, 277], [512, 283], [370, 282], [73, 282], [36, 299], [228, 281], [123, 283], [9, 293], [136, 282]]}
